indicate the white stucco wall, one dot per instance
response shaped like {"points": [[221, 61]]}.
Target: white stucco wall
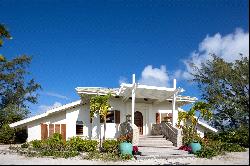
{"points": [[34, 127], [81, 113]]}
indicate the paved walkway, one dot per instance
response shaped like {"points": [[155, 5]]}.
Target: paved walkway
{"points": [[157, 147]]}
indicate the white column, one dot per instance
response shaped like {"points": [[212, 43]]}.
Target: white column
{"points": [[174, 112], [133, 99]]}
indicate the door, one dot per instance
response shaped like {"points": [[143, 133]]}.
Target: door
{"points": [[139, 121]]}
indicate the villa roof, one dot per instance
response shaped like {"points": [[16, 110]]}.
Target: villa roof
{"points": [[142, 91], [49, 112]]}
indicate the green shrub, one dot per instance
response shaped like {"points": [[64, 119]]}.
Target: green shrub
{"points": [[88, 145], [231, 147], [216, 147], [74, 143], [36, 144], [239, 136], [107, 156], [210, 149], [55, 143], [21, 135], [110, 146], [82, 145], [7, 134], [25, 145], [126, 156]]}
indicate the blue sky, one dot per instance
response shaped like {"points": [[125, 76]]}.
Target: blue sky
{"points": [[99, 43]]}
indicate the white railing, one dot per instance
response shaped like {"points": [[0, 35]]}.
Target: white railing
{"points": [[172, 133]]}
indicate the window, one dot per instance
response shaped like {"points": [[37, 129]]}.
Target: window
{"points": [[112, 117], [167, 117], [79, 128]]}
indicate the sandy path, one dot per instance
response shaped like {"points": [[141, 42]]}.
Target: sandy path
{"points": [[235, 158]]}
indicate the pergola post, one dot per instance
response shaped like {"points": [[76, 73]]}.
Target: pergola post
{"points": [[174, 112], [133, 99]]}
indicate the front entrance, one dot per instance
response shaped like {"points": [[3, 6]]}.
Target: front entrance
{"points": [[138, 119]]}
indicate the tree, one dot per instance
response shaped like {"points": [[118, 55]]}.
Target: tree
{"points": [[4, 34], [101, 106], [16, 91], [225, 86]]}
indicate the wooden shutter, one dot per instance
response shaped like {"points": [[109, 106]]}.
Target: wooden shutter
{"points": [[63, 131], [51, 129], [157, 118], [117, 117], [44, 131], [57, 128]]}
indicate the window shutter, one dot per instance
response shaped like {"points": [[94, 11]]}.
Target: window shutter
{"points": [[157, 118], [63, 131], [117, 117], [57, 128], [51, 129], [44, 131]]}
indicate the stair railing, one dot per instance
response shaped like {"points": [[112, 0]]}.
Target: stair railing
{"points": [[172, 133]]}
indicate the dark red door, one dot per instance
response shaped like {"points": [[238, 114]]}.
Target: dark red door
{"points": [[139, 121]]}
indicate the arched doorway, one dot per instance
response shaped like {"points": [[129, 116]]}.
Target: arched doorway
{"points": [[139, 121]]}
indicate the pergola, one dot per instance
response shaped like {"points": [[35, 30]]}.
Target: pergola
{"points": [[135, 90], [151, 92]]}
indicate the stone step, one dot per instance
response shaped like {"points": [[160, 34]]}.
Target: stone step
{"points": [[166, 145], [146, 157], [151, 136], [169, 149], [155, 141], [162, 153]]}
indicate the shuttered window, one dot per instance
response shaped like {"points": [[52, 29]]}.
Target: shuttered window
{"points": [[117, 117], [157, 118], [112, 117], [49, 130], [79, 128], [63, 131], [44, 131]]}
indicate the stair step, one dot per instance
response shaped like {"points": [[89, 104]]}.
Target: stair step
{"points": [[146, 157], [156, 144], [152, 139], [151, 136], [155, 141]]}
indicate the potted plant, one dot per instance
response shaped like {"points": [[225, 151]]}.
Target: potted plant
{"points": [[125, 145], [136, 151]]}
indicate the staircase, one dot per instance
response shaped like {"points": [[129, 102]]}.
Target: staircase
{"points": [[157, 147]]}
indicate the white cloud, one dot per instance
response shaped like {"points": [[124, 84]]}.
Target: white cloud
{"points": [[123, 80], [55, 95], [154, 76], [44, 108], [227, 47]]}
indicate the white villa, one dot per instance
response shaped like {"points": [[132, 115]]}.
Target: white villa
{"points": [[148, 105]]}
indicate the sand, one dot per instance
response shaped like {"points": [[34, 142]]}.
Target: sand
{"points": [[234, 158]]}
